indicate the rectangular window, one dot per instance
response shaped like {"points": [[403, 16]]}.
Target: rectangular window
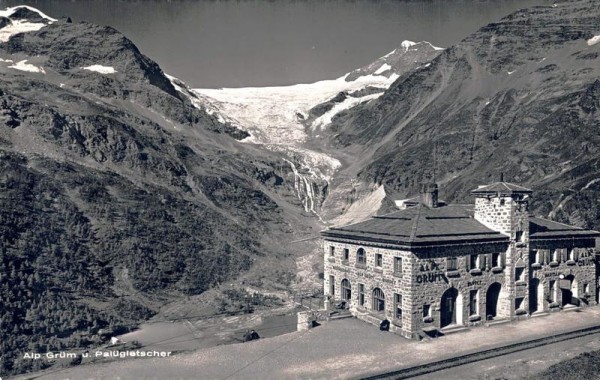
{"points": [[474, 261], [332, 285], [495, 259], [346, 254], [426, 310], [538, 257], [451, 263], [520, 274], [378, 260], [519, 236], [398, 305], [482, 261], [397, 264], [556, 255], [361, 294], [551, 294], [571, 254], [473, 302], [331, 251], [586, 289]]}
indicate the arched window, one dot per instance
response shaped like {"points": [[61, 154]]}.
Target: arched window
{"points": [[346, 290], [378, 300], [361, 256]]}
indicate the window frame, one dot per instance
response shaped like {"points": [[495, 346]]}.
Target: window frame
{"points": [[378, 300], [473, 302], [426, 310], [378, 260], [346, 254], [361, 256], [398, 306], [398, 265], [361, 294], [452, 263], [346, 288]]}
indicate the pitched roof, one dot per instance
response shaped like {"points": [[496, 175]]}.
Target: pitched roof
{"points": [[420, 226], [546, 229], [502, 188]]}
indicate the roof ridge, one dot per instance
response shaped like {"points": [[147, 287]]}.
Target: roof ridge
{"points": [[413, 232], [564, 224]]}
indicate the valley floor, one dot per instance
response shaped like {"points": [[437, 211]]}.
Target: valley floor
{"points": [[349, 348]]}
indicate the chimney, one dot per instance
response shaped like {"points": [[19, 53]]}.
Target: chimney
{"points": [[429, 194]]}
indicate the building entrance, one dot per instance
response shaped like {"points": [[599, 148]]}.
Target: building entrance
{"points": [[491, 300], [566, 289], [448, 307]]}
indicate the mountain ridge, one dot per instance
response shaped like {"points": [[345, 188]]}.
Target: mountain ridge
{"points": [[496, 102]]}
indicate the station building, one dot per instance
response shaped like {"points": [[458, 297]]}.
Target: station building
{"points": [[433, 267]]}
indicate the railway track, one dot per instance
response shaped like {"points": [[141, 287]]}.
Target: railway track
{"points": [[406, 373]]}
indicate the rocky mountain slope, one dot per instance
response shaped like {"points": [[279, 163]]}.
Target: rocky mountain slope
{"points": [[116, 182], [520, 96]]}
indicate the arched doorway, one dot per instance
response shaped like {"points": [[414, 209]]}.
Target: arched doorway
{"points": [[533, 296], [448, 312], [346, 290], [491, 300], [566, 289]]}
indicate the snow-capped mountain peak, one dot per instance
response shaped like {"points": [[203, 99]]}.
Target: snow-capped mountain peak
{"points": [[21, 19]]}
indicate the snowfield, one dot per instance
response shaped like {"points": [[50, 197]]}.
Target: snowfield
{"points": [[100, 69], [9, 11], [594, 40], [271, 114], [21, 26], [24, 66], [325, 119]]}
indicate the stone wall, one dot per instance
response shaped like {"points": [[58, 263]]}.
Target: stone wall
{"points": [[571, 260], [432, 264], [371, 276]]}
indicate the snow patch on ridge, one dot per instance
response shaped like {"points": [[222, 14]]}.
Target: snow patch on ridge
{"points": [[9, 11], [385, 67], [19, 26], [100, 69], [349, 102], [204, 104], [594, 40], [407, 44], [24, 66]]}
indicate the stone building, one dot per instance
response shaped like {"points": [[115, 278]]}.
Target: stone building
{"points": [[431, 267]]}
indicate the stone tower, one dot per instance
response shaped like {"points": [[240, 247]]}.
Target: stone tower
{"points": [[504, 207]]}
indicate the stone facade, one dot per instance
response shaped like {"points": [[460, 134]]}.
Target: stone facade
{"points": [[442, 286]]}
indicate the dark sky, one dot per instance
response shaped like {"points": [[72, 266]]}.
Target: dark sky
{"points": [[261, 43]]}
